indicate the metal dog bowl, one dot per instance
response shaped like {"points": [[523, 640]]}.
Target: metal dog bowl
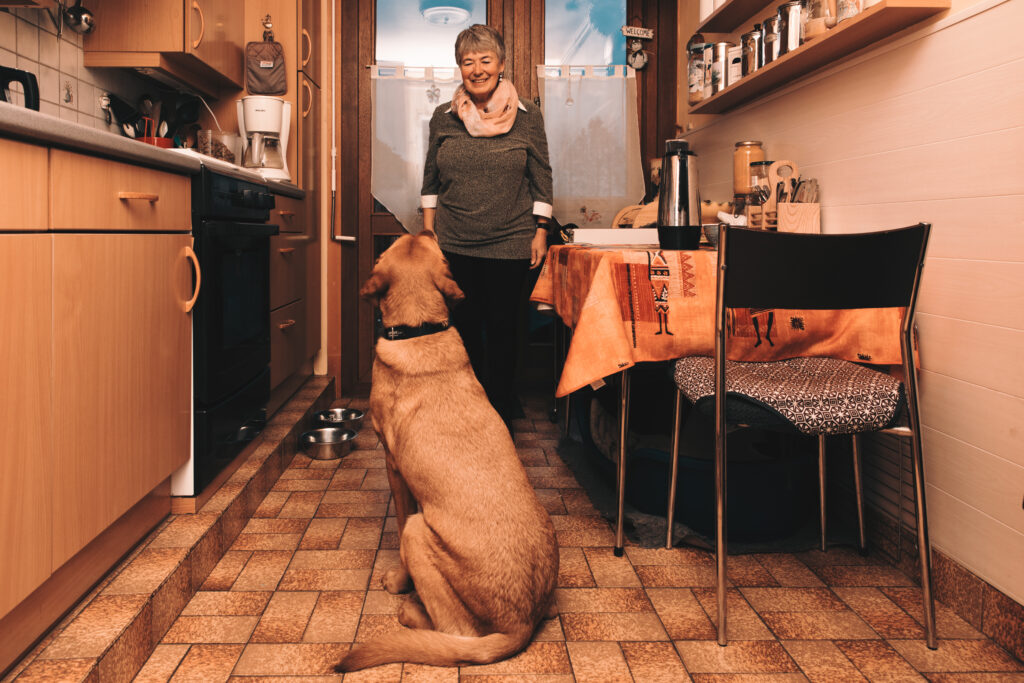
{"points": [[347, 418], [327, 444]]}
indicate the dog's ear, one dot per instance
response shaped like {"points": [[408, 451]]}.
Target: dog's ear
{"points": [[376, 286], [446, 285]]}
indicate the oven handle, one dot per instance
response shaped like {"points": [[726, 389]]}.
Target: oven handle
{"points": [[191, 255]]}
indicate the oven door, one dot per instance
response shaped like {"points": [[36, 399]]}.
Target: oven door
{"points": [[231, 324]]}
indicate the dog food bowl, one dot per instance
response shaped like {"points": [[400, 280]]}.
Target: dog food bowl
{"points": [[327, 444], [347, 418]]}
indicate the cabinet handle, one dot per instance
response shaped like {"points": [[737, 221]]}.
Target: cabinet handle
{"points": [[286, 250], [286, 325], [147, 196], [309, 91], [202, 24], [191, 254], [309, 43], [284, 213]]}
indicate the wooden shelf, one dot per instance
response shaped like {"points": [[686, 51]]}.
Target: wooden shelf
{"points": [[873, 24], [731, 16]]}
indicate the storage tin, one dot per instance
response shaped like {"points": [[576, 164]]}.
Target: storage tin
{"points": [[790, 23], [716, 60], [753, 55], [770, 39]]}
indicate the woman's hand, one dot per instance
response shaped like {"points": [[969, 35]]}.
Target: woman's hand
{"points": [[539, 247]]}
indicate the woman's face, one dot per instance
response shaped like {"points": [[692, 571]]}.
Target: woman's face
{"points": [[480, 74]]}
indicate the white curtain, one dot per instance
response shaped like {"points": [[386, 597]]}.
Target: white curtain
{"points": [[590, 115], [403, 99]]}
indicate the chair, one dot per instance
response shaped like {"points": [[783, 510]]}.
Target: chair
{"points": [[764, 270]]}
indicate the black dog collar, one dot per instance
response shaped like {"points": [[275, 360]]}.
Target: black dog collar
{"points": [[406, 332]]}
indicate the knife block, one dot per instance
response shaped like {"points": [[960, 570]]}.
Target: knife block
{"points": [[787, 217]]}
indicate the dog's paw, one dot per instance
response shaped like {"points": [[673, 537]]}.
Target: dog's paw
{"points": [[412, 614], [396, 581]]}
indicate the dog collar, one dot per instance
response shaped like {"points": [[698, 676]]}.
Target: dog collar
{"points": [[406, 332]]}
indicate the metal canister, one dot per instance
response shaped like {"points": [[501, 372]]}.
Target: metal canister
{"points": [[753, 56], [770, 39], [716, 64], [790, 22]]}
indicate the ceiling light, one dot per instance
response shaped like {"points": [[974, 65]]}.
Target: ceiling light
{"points": [[445, 15]]}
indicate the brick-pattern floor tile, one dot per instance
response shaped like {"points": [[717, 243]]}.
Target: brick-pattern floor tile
{"points": [[681, 613], [289, 659], [263, 571], [602, 600], [207, 663], [741, 623], [598, 663], [227, 603], [821, 660], [957, 655], [336, 617], [285, 618], [538, 658], [741, 656], [887, 618], [877, 660], [211, 630], [573, 570], [323, 533], [654, 662], [610, 571], [947, 623], [613, 626]]}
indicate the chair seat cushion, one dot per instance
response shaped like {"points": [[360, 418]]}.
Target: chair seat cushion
{"points": [[815, 395]]}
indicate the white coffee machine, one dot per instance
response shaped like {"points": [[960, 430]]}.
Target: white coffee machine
{"points": [[263, 122]]}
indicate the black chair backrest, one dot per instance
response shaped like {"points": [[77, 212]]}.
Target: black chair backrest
{"points": [[790, 270]]}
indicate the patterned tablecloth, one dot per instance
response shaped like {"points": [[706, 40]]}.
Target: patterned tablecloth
{"points": [[627, 305]]}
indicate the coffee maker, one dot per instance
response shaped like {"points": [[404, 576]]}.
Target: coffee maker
{"points": [[263, 122]]}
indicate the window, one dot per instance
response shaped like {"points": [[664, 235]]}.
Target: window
{"points": [[423, 32], [584, 32]]}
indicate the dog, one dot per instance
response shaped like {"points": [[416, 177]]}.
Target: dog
{"points": [[476, 546]]}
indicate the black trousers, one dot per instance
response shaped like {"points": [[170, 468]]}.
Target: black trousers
{"points": [[488, 321]]}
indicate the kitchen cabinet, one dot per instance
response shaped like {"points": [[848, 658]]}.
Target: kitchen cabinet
{"points": [[310, 40], [307, 138], [26, 453], [122, 373], [848, 36], [198, 43], [23, 177]]}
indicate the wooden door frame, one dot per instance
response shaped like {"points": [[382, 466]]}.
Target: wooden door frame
{"points": [[349, 352]]}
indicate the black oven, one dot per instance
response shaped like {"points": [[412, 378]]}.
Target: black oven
{"points": [[231, 319]]}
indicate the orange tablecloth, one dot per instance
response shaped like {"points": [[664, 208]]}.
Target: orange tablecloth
{"points": [[627, 305]]}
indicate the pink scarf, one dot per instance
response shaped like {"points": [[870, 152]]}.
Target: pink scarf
{"points": [[497, 117]]}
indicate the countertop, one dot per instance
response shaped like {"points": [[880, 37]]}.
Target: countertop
{"points": [[26, 125]]}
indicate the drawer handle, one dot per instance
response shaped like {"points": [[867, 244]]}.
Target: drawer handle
{"points": [[146, 196], [286, 250], [309, 43], [287, 324], [285, 213], [190, 304], [309, 91], [202, 24]]}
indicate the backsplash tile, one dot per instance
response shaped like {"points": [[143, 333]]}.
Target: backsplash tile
{"points": [[68, 90]]}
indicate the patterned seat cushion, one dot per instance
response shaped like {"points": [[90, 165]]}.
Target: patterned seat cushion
{"points": [[815, 395]]}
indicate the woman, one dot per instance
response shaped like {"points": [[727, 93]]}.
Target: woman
{"points": [[487, 195]]}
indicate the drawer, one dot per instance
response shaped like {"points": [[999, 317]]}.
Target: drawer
{"points": [[289, 214], [23, 179], [287, 270], [287, 341], [98, 195]]}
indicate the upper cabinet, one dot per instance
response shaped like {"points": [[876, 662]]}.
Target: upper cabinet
{"points": [[197, 43], [874, 23], [310, 42]]}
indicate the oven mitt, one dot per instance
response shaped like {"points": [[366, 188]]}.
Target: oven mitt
{"points": [[264, 68]]}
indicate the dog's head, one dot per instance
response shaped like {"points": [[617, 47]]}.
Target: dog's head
{"points": [[412, 282]]}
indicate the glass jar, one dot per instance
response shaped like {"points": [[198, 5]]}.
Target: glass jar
{"points": [[695, 74], [753, 55], [759, 174], [746, 153]]}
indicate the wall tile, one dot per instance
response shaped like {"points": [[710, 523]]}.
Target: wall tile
{"points": [[69, 58], [49, 53], [8, 32], [8, 58], [28, 40], [49, 85]]}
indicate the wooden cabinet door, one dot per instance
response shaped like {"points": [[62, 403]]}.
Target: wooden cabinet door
{"points": [[23, 179], [214, 34], [309, 39], [26, 447], [122, 367], [309, 152]]}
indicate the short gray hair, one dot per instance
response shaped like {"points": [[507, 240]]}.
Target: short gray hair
{"points": [[479, 38]]}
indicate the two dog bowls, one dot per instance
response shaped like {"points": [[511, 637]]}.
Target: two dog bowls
{"points": [[334, 435]]}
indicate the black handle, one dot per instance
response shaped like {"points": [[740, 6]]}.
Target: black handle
{"points": [[28, 83]]}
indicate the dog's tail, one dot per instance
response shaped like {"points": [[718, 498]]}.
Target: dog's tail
{"points": [[419, 646]]}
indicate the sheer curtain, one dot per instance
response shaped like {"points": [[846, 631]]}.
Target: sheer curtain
{"points": [[590, 115], [403, 99]]}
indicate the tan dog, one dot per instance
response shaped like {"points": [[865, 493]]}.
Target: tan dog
{"points": [[480, 552]]}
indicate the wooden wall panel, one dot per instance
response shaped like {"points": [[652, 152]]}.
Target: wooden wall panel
{"points": [[898, 134]]}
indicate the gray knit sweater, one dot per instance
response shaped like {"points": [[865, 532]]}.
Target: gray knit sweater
{"points": [[486, 187]]}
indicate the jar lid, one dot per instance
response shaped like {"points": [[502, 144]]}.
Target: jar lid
{"points": [[761, 163], [749, 142]]}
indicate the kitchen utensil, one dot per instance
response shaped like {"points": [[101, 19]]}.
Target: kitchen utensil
{"points": [[346, 418], [781, 173], [79, 19], [679, 199], [29, 86], [125, 114], [327, 444]]}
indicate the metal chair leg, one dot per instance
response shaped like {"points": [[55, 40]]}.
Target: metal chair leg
{"points": [[821, 489], [858, 485], [623, 430], [671, 512]]}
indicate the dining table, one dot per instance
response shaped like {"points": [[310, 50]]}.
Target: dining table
{"points": [[629, 304]]}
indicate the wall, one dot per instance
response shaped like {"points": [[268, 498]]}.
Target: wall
{"points": [[28, 41], [927, 126]]}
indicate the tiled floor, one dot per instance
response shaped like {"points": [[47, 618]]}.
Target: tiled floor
{"points": [[302, 582]]}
